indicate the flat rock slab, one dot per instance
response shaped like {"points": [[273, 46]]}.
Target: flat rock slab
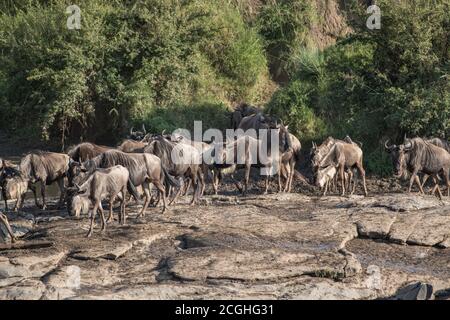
{"points": [[29, 266], [111, 252]]}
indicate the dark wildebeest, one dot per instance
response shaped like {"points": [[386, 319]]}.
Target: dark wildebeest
{"points": [[247, 152], [86, 151], [181, 160], [258, 121], [4, 220], [143, 168], [242, 111], [344, 156], [14, 186], [105, 183], [137, 135], [132, 146], [417, 155], [46, 168]]}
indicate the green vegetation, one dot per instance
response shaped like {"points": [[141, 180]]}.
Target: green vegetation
{"points": [[169, 62]]}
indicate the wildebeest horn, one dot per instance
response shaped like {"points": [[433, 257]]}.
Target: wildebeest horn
{"points": [[143, 128], [408, 145], [387, 146], [162, 133], [131, 130], [404, 138]]}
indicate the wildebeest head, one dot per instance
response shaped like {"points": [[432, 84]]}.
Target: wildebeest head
{"points": [[137, 135], [76, 173], [319, 152], [398, 156]]}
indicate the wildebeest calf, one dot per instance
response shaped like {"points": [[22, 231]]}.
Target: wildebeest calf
{"points": [[105, 183]]}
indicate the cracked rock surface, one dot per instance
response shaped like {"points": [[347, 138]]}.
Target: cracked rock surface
{"points": [[278, 246]]}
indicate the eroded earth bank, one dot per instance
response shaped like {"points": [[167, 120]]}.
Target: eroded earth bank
{"points": [[279, 246]]}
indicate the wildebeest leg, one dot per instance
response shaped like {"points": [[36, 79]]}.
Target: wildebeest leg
{"points": [[342, 178], [186, 188], [325, 188], [195, 184], [424, 179], [94, 213], [6, 202], [102, 215], [5, 222], [33, 189], [62, 191], [248, 168], [123, 216], [162, 192], [215, 181], [146, 188], [173, 201], [436, 187], [291, 176], [44, 202], [111, 215], [362, 174], [417, 180]]}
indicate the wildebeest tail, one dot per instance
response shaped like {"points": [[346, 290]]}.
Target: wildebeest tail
{"points": [[132, 190], [170, 179]]}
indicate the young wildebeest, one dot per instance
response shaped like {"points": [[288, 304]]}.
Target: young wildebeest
{"points": [[14, 186], [180, 160], [105, 183], [86, 151], [143, 169], [46, 168], [416, 155], [344, 156]]}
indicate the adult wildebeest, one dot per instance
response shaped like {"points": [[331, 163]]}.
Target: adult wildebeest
{"points": [[181, 160], [14, 186], [258, 121], [46, 168], [289, 160], [137, 135], [86, 151], [343, 155], [417, 155], [247, 152], [104, 183], [242, 111], [143, 168]]}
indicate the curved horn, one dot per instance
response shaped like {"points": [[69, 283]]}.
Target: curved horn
{"points": [[408, 145], [143, 128], [162, 133], [405, 138], [386, 146], [131, 130]]}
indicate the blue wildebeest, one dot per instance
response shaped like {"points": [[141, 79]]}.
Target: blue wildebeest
{"points": [[345, 156], [86, 151], [419, 156], [101, 184], [143, 169], [247, 152], [181, 160], [45, 168]]}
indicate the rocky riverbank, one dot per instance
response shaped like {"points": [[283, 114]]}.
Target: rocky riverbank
{"points": [[279, 246]]}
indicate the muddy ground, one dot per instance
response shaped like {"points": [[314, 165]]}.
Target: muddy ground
{"points": [[277, 246]]}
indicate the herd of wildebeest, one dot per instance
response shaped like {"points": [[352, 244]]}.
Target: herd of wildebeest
{"points": [[89, 174]]}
